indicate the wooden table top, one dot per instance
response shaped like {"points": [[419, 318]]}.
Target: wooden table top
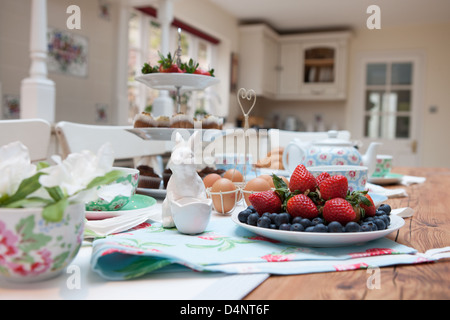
{"points": [[429, 228]]}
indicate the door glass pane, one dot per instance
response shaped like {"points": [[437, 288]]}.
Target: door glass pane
{"points": [[401, 100], [402, 128], [374, 100], [376, 74], [372, 126], [401, 73]]}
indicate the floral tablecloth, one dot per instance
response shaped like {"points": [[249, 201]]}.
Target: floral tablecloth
{"points": [[225, 247]]}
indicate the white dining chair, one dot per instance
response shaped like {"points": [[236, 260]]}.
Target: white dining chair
{"points": [[76, 137], [35, 134], [281, 138]]}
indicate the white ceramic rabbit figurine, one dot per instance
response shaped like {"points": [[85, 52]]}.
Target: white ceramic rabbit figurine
{"points": [[185, 181]]}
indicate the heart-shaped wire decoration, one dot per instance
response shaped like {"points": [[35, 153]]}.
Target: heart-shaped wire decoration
{"points": [[244, 94]]}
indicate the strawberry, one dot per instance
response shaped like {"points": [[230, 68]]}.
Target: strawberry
{"points": [[339, 210], [362, 204], [302, 206], [322, 177], [266, 201], [190, 67], [302, 180], [167, 65], [369, 209], [334, 187]]}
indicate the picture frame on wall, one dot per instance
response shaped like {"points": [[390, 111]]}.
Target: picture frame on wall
{"points": [[67, 53]]}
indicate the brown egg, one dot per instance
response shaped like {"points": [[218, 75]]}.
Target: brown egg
{"points": [[286, 180], [210, 179], [269, 179], [234, 175], [223, 199], [256, 184]]}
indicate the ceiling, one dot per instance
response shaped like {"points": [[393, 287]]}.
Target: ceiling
{"points": [[306, 15]]}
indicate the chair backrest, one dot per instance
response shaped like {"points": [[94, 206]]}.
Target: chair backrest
{"points": [[35, 134], [284, 137], [76, 137]]}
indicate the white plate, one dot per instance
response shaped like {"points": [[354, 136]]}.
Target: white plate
{"points": [[137, 204], [313, 239], [390, 179], [170, 81]]}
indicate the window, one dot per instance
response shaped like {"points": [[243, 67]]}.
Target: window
{"points": [[144, 45], [388, 92]]}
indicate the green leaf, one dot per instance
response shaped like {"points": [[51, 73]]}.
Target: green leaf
{"points": [[56, 193], [42, 165], [106, 179], [54, 212], [29, 202], [27, 187]]}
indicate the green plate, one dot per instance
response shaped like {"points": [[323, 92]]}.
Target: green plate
{"points": [[137, 203], [391, 178]]}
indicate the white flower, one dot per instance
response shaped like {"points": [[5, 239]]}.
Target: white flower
{"points": [[79, 169], [15, 166]]}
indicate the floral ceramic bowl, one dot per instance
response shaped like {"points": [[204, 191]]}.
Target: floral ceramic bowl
{"points": [[356, 175], [115, 196], [32, 249]]}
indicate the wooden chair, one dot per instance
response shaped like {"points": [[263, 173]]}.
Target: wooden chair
{"points": [[75, 137], [35, 134]]}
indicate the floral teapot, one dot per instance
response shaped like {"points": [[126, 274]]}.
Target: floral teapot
{"points": [[331, 151]]}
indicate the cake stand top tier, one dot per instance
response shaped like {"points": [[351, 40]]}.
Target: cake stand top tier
{"points": [[183, 81]]}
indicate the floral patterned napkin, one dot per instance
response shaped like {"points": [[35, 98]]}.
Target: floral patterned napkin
{"points": [[227, 248]]}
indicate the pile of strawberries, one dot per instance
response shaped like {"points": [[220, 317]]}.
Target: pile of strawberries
{"points": [[309, 197], [169, 65]]}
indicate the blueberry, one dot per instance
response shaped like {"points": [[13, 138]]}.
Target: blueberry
{"points": [[296, 220], [386, 219], [251, 208], [320, 228], [243, 215], [352, 227], [306, 223], [335, 226], [272, 217], [263, 222], [297, 227], [385, 207], [365, 227], [285, 226], [381, 225], [282, 218], [379, 213], [273, 226], [253, 219], [266, 214], [317, 221], [309, 229]]}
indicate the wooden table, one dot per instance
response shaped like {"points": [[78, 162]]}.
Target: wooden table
{"points": [[429, 228]]}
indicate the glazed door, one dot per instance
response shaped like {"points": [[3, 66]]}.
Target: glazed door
{"points": [[390, 100]]}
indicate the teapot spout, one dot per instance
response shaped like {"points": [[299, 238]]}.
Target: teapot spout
{"points": [[370, 158]]}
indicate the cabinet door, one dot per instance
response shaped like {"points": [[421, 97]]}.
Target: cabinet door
{"points": [[290, 71], [323, 70], [270, 66]]}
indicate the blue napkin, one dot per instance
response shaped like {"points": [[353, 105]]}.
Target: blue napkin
{"points": [[226, 247]]}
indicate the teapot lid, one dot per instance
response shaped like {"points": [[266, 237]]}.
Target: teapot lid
{"points": [[333, 140]]}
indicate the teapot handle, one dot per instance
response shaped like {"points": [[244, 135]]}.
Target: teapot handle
{"points": [[285, 156]]}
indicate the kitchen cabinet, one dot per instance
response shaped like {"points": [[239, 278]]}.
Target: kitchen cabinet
{"points": [[313, 66], [309, 66], [258, 60]]}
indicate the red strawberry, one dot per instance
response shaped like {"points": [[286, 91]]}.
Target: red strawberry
{"points": [[302, 180], [322, 176], [167, 64], [339, 210], [369, 210], [302, 206], [334, 187], [266, 201]]}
